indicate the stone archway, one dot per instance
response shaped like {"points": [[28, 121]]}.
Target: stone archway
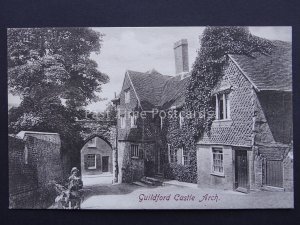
{"points": [[97, 161]]}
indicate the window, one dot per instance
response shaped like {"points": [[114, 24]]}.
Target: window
{"points": [[127, 96], [184, 159], [217, 162], [92, 143], [222, 106], [133, 119], [26, 155], [134, 150], [123, 124], [91, 161], [172, 154], [181, 120]]}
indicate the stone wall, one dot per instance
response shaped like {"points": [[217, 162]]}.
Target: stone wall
{"points": [[23, 185], [31, 181]]}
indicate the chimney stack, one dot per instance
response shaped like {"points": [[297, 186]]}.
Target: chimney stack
{"points": [[181, 56]]}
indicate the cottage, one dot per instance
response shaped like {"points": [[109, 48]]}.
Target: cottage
{"points": [[251, 135], [249, 143]]}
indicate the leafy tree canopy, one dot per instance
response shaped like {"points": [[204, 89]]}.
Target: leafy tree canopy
{"points": [[51, 70], [47, 62]]}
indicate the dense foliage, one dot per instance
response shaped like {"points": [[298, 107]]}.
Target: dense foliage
{"points": [[216, 44], [51, 70]]}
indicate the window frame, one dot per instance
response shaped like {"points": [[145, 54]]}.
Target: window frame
{"points": [[213, 171], [127, 96], [133, 120], [172, 154], [95, 162], [122, 122], [181, 120], [25, 155], [225, 106], [184, 157], [134, 151]]}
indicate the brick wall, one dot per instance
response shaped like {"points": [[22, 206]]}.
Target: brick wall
{"points": [[47, 159], [23, 185], [31, 184]]}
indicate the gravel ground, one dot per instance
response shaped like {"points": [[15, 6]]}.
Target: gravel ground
{"points": [[128, 196]]}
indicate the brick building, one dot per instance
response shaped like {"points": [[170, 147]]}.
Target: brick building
{"points": [[141, 151], [34, 162], [249, 146]]}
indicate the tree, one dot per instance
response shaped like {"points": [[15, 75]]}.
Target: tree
{"points": [[51, 70]]}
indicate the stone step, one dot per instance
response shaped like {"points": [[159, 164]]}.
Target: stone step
{"points": [[159, 176], [152, 181], [141, 184], [148, 182]]}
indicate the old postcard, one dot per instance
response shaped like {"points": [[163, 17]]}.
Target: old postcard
{"points": [[150, 117]]}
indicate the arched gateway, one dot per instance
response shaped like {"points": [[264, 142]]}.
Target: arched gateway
{"points": [[97, 161]]}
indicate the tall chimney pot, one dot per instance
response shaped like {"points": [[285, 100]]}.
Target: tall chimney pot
{"points": [[181, 56]]}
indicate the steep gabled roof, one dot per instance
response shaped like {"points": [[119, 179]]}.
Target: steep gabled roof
{"points": [[265, 71], [268, 72], [148, 86]]}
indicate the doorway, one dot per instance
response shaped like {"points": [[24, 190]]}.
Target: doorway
{"points": [[241, 170], [105, 163]]}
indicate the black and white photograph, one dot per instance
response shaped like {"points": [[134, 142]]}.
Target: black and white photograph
{"points": [[173, 117]]}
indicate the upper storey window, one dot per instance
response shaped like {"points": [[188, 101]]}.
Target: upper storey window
{"points": [[222, 106], [127, 96]]}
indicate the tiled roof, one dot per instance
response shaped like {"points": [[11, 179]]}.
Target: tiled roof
{"points": [[269, 72], [266, 72], [148, 86], [174, 92], [157, 90]]}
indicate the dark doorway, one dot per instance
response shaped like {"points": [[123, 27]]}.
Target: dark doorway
{"points": [[241, 170], [274, 173], [105, 163], [159, 161]]}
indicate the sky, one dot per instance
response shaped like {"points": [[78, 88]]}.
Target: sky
{"points": [[145, 48]]}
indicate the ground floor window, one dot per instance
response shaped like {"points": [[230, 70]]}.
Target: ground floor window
{"points": [[134, 150], [91, 161], [217, 162], [185, 159], [172, 154]]}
